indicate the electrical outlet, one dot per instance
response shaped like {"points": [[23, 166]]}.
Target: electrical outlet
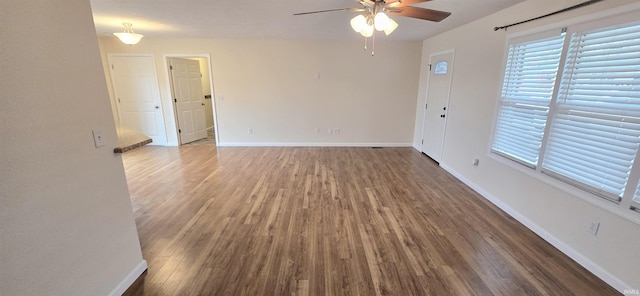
{"points": [[476, 162], [330, 131], [250, 131], [336, 131], [593, 227]]}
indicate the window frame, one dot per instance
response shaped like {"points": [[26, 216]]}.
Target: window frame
{"points": [[629, 206]]}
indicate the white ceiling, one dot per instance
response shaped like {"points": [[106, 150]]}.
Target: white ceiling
{"points": [[271, 19]]}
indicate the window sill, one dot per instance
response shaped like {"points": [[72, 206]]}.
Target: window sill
{"points": [[605, 204]]}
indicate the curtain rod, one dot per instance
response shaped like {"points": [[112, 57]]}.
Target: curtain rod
{"points": [[549, 14]]}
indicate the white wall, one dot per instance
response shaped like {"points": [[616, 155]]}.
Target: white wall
{"points": [[285, 89], [555, 214], [66, 223]]}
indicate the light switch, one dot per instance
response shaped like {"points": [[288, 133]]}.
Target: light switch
{"points": [[98, 138]]}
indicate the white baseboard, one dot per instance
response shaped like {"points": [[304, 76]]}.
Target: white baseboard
{"points": [[129, 279], [558, 244], [284, 144]]}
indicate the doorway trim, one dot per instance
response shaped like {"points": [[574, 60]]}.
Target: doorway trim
{"points": [[165, 60]]}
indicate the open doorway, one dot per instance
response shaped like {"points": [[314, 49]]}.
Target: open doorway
{"points": [[193, 99]]}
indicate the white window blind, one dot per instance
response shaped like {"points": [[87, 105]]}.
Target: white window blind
{"points": [[595, 127], [527, 89]]}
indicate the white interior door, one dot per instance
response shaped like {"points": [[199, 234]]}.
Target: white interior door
{"points": [[135, 85], [435, 119], [188, 98]]}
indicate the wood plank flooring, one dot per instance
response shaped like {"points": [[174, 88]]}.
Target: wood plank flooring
{"points": [[329, 221]]}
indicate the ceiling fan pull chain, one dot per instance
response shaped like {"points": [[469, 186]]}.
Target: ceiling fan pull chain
{"points": [[373, 44], [365, 43]]}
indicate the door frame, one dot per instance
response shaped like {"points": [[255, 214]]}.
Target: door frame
{"points": [[206, 56], [426, 99]]}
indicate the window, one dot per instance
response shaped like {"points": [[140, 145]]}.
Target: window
{"points": [[592, 134], [595, 129], [441, 68], [527, 89]]}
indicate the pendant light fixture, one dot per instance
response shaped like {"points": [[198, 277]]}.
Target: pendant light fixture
{"points": [[128, 36]]}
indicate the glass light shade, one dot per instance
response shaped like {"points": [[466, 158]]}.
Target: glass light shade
{"points": [[358, 22], [392, 27], [129, 38], [367, 31], [381, 21]]}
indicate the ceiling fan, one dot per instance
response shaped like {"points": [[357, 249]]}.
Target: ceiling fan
{"points": [[374, 15], [393, 7]]}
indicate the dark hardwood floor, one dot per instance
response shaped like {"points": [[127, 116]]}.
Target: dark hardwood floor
{"points": [[330, 221]]}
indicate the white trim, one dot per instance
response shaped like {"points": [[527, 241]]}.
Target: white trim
{"points": [[558, 244], [304, 144], [129, 279]]}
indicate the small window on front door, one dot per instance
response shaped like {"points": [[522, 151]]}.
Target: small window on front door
{"points": [[441, 68]]}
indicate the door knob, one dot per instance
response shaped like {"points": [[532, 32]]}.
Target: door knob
{"points": [[202, 104], [157, 107], [444, 108]]}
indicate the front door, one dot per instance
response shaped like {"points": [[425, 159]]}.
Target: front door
{"points": [[435, 119], [188, 99]]}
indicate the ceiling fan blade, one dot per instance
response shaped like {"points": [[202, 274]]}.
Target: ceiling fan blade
{"points": [[403, 3], [330, 10], [365, 2], [422, 13]]}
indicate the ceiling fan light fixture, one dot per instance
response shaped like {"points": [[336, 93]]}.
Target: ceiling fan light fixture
{"points": [[366, 24], [128, 36], [382, 21], [367, 31], [358, 22], [392, 27]]}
